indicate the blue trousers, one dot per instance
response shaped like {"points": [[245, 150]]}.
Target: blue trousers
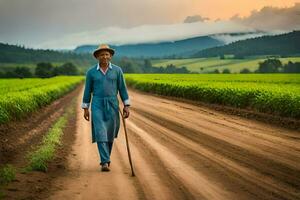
{"points": [[104, 149]]}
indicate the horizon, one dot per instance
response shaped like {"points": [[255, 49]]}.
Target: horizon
{"points": [[225, 35]]}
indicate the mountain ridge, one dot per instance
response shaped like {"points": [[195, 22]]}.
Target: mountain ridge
{"points": [[282, 44]]}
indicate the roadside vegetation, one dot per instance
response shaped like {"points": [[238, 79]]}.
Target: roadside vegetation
{"points": [[7, 174], [39, 158]]}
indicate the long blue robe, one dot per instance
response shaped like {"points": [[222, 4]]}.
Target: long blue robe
{"points": [[104, 88]]}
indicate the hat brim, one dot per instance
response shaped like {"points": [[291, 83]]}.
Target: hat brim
{"points": [[112, 52]]}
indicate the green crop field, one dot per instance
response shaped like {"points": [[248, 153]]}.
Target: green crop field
{"points": [[206, 65], [277, 94], [21, 96]]}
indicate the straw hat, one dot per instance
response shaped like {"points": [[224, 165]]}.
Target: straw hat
{"points": [[103, 47]]}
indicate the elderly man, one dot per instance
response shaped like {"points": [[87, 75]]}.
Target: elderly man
{"points": [[104, 81]]}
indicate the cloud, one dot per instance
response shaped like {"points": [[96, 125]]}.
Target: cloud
{"points": [[146, 33], [32, 22], [195, 18], [59, 25], [272, 19], [229, 38]]}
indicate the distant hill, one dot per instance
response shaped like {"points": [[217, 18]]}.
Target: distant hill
{"points": [[184, 48], [18, 54], [284, 44]]}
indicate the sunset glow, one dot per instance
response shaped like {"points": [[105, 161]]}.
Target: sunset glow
{"points": [[225, 9]]}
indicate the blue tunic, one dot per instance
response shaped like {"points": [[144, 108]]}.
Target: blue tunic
{"points": [[105, 120]]}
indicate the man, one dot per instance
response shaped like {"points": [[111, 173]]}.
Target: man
{"points": [[104, 81]]}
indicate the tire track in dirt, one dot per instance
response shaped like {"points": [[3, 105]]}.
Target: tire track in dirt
{"points": [[250, 141], [196, 182], [150, 170], [182, 151], [279, 162], [216, 165], [232, 151]]}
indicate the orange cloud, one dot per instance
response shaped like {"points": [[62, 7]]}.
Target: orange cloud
{"points": [[225, 9]]}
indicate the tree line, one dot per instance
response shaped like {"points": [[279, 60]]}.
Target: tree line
{"points": [[145, 66], [46, 70], [20, 54], [275, 66], [271, 65], [42, 70]]}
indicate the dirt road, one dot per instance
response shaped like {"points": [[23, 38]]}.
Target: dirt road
{"points": [[183, 151]]}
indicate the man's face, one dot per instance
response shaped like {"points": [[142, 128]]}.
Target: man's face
{"points": [[104, 57]]}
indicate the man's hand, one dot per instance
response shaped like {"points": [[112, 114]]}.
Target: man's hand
{"points": [[86, 114], [126, 112]]}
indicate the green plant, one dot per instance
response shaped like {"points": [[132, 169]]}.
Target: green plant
{"points": [[270, 93], [20, 97], [39, 158], [7, 174]]}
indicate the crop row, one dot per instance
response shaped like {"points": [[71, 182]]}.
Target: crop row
{"points": [[280, 96], [21, 97]]}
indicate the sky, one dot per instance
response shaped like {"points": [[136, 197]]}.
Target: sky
{"points": [[65, 24]]}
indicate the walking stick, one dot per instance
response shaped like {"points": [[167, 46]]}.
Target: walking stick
{"points": [[127, 144]]}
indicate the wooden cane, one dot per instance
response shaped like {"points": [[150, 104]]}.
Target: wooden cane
{"points": [[127, 143]]}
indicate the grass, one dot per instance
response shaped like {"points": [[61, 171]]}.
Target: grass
{"points": [[205, 65], [7, 174], [38, 159]]}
